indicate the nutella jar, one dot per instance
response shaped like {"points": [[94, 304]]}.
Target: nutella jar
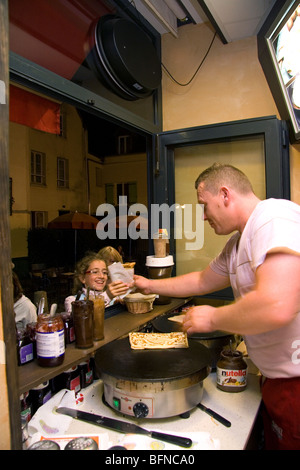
{"points": [[231, 371], [50, 340], [83, 317]]}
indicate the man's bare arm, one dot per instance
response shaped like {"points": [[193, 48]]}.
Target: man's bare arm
{"points": [[195, 283]]}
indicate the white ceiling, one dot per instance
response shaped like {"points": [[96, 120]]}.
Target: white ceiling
{"points": [[236, 19]]}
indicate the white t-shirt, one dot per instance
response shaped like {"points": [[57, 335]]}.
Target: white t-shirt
{"points": [[25, 312], [71, 298], [274, 224]]}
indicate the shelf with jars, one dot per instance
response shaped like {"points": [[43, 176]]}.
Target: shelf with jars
{"points": [[32, 374]]}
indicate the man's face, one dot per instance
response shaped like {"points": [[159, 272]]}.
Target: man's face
{"points": [[214, 207]]}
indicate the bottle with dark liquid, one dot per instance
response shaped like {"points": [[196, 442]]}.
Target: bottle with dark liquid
{"points": [[83, 317]]}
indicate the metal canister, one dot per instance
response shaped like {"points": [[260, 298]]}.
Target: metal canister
{"points": [[82, 443]]}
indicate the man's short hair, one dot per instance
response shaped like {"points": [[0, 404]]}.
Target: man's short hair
{"points": [[222, 174]]}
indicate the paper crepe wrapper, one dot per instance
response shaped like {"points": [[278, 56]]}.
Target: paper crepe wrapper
{"points": [[117, 272]]}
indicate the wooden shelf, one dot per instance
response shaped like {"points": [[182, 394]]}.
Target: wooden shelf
{"points": [[31, 375]]}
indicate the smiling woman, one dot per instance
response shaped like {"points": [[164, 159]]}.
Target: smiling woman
{"points": [[91, 274]]}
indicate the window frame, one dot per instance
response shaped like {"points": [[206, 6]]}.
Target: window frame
{"points": [[65, 179], [34, 174]]}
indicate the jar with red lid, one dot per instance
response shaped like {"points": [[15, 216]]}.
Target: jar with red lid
{"points": [[50, 340], [71, 379]]}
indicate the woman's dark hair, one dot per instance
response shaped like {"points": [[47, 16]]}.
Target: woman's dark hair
{"points": [[18, 290]]}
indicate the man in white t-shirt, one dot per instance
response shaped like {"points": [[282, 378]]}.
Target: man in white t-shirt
{"points": [[261, 262]]}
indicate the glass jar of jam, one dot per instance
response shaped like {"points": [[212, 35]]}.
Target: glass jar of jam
{"points": [[25, 349], [83, 317], [86, 374], [231, 371], [50, 340], [40, 395], [30, 329], [26, 406], [71, 379], [69, 327]]}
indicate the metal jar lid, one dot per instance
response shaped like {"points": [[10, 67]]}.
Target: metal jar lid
{"points": [[44, 445], [82, 443], [41, 386]]}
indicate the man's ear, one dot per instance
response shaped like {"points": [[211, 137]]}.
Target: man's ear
{"points": [[225, 195]]}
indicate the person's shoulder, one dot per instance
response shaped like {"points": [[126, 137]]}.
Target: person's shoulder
{"points": [[278, 205], [276, 209], [232, 241]]}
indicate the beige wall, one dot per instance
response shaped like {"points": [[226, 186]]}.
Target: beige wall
{"points": [[229, 86]]}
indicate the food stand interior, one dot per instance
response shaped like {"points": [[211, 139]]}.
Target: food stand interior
{"points": [[47, 58]]}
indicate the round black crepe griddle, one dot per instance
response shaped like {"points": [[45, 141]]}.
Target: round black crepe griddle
{"points": [[117, 359]]}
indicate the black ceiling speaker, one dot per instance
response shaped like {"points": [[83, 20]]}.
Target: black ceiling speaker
{"points": [[124, 58]]}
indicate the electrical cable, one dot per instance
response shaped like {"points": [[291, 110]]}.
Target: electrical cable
{"points": [[165, 68], [197, 70]]}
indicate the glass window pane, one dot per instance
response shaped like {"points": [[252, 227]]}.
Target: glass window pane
{"points": [[246, 154]]}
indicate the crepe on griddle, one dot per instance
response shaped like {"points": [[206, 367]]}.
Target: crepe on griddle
{"points": [[177, 318], [158, 340]]}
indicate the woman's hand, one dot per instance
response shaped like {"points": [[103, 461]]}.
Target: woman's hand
{"points": [[117, 289]]}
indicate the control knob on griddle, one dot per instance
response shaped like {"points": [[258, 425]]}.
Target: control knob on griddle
{"points": [[140, 410]]}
